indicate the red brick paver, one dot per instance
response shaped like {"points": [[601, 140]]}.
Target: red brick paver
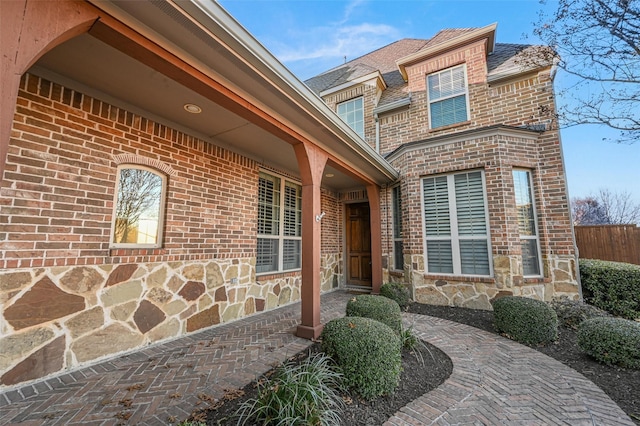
{"points": [[495, 381]]}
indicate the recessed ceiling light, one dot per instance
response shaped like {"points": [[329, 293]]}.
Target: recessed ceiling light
{"points": [[192, 108], [329, 175]]}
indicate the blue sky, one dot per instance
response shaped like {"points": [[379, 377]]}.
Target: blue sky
{"points": [[311, 36]]}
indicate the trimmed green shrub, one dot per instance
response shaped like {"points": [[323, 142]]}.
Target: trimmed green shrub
{"points": [[611, 341], [571, 313], [612, 286], [379, 308], [398, 292], [367, 352], [303, 394], [525, 320]]}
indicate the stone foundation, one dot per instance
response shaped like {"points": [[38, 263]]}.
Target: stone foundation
{"points": [[478, 293], [59, 318]]}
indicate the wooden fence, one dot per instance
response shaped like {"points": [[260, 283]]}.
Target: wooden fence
{"points": [[619, 243]]}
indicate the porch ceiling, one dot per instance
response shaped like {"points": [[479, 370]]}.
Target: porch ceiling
{"points": [[94, 67]]}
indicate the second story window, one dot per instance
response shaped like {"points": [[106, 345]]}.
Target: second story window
{"points": [[352, 113], [139, 208], [447, 91]]}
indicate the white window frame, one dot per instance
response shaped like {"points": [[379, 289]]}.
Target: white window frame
{"points": [[396, 217], [343, 115], [161, 209], [465, 93], [536, 235], [281, 237], [455, 238]]}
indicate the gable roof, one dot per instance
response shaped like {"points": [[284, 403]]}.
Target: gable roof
{"points": [[501, 63]]}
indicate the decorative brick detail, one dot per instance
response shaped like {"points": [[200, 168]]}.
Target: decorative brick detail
{"points": [[43, 303]]}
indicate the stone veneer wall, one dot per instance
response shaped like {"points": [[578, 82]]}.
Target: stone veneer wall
{"points": [[478, 293], [60, 318]]}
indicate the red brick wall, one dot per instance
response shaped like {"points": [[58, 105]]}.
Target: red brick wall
{"points": [[58, 187]]}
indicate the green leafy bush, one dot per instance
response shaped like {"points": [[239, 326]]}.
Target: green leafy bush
{"points": [[612, 286], [379, 308], [367, 352], [304, 394], [571, 313], [611, 341], [525, 320], [398, 292]]}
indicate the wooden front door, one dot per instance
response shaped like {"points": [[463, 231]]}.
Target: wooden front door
{"points": [[358, 245]]}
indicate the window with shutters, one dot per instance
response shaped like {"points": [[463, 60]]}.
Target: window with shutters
{"points": [[527, 223], [456, 228], [398, 259], [447, 93], [279, 224], [352, 113]]}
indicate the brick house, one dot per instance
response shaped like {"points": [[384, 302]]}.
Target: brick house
{"points": [[480, 208], [162, 173]]}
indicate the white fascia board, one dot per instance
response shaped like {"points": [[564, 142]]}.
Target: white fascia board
{"points": [[374, 75]]}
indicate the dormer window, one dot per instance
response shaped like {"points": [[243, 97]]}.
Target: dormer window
{"points": [[448, 97], [352, 113]]}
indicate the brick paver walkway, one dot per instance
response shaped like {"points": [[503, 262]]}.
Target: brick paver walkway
{"points": [[495, 381]]}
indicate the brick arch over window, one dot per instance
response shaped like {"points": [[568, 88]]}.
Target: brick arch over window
{"points": [[144, 161]]}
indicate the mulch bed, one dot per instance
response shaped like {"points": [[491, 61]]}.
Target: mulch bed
{"points": [[622, 385]]}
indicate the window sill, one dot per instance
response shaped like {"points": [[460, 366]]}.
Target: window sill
{"points": [[136, 251], [267, 276], [460, 278], [536, 280]]}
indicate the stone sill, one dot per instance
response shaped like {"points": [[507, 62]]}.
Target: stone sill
{"points": [[537, 280], [273, 276], [460, 278]]}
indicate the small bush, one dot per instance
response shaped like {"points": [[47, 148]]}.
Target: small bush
{"points": [[571, 313], [367, 353], [378, 308], [525, 320], [398, 292], [304, 394], [611, 341], [612, 286]]}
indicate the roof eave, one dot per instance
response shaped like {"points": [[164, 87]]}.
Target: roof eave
{"points": [[488, 32]]}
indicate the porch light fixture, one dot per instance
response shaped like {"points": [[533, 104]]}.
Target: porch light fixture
{"points": [[329, 175], [192, 108], [320, 216]]}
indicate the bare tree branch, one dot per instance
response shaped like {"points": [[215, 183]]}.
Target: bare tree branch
{"points": [[598, 43]]}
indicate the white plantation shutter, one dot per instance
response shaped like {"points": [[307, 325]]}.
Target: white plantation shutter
{"points": [[447, 91], [456, 227], [398, 246], [279, 247], [525, 208]]}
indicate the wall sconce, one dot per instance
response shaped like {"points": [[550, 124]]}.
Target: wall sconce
{"points": [[319, 216]]}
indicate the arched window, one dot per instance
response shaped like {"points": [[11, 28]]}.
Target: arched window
{"points": [[138, 212]]}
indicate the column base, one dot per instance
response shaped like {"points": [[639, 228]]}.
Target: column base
{"points": [[309, 332]]}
